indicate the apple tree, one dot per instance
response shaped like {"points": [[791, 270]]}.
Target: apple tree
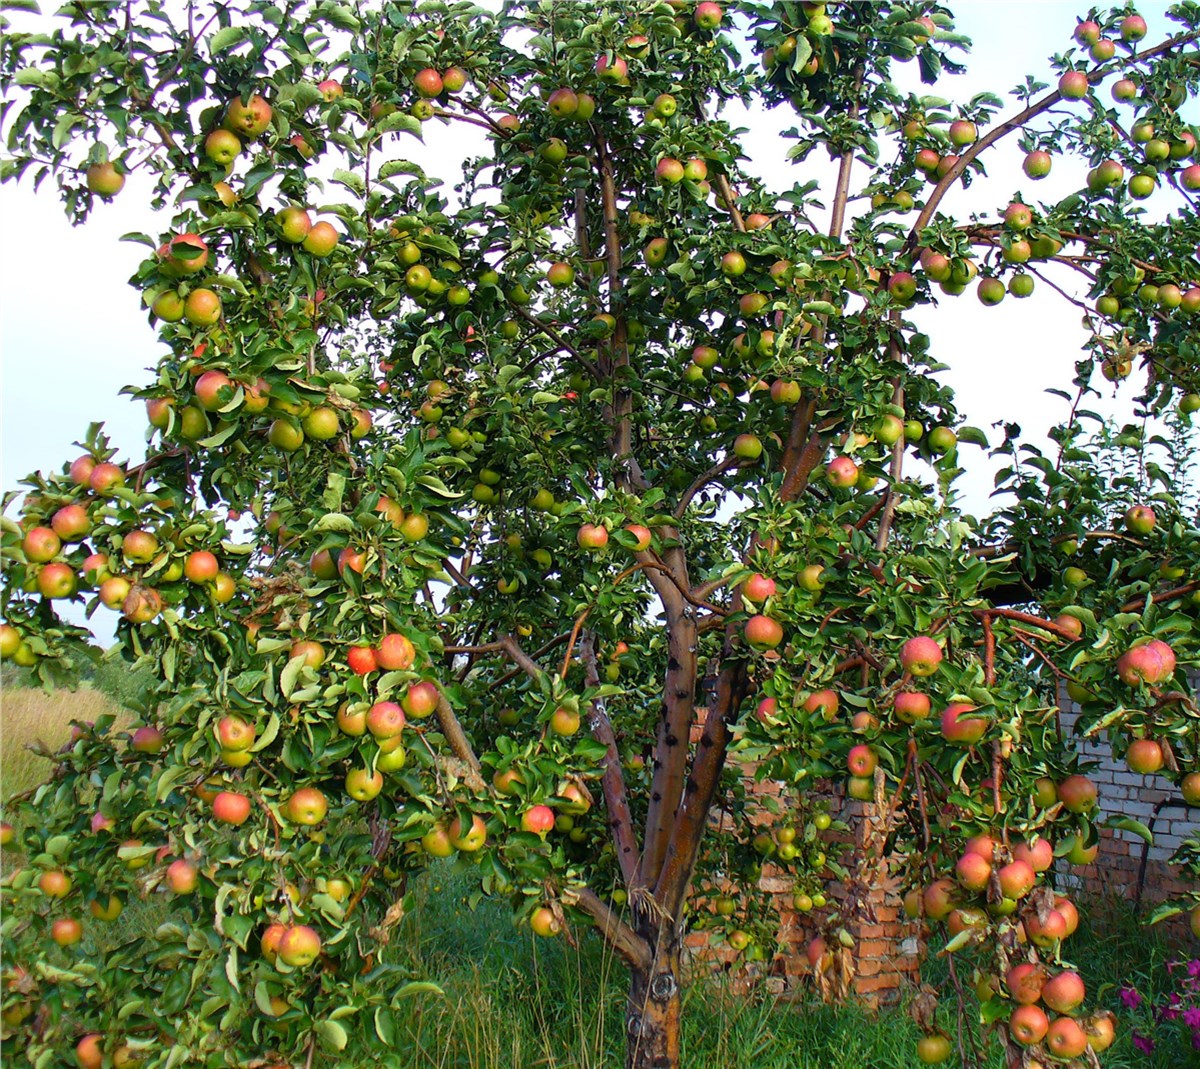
{"points": [[519, 523]]}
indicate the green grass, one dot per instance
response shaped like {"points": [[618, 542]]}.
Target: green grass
{"points": [[512, 999]]}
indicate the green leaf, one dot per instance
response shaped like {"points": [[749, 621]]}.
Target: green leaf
{"points": [[63, 128], [225, 39], [268, 735], [395, 167], [1135, 826], [417, 987], [432, 482], [332, 1035], [351, 181], [385, 1026], [400, 121], [290, 675], [334, 521], [973, 435]]}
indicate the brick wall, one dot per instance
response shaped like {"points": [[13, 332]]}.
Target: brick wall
{"points": [[1155, 802], [887, 948]]}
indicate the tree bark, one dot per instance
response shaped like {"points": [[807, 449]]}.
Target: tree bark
{"points": [[652, 1013]]}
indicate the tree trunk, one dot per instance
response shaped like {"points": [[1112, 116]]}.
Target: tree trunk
{"points": [[652, 1014]]}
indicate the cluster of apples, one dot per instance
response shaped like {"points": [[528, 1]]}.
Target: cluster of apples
{"points": [[127, 578]]}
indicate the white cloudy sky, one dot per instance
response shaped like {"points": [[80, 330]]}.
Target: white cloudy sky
{"points": [[73, 334]]}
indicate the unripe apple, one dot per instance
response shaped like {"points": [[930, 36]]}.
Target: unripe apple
{"points": [[733, 264], [363, 785], [1140, 519], [1124, 90], [747, 447], [563, 103], [222, 147], [104, 179], [902, 286]]}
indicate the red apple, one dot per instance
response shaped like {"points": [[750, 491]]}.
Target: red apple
{"points": [[538, 819], [758, 588], [231, 808], [920, 656], [1077, 794], [395, 653], [958, 727], [182, 877], [1025, 983], [1064, 993], [763, 633], [385, 720], [421, 699], [911, 706], [592, 536], [300, 946], [1144, 756], [1028, 1024], [307, 807], [861, 760]]}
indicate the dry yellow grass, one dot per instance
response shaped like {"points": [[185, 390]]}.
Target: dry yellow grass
{"points": [[31, 715]]}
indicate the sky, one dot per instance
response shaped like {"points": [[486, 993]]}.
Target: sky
{"points": [[72, 333]]}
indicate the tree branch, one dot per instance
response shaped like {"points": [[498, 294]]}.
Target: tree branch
{"points": [[623, 939]]}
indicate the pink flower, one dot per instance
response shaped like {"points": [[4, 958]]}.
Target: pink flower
{"points": [[1143, 1043], [1130, 998]]}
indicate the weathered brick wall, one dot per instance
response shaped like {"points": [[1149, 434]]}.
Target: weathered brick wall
{"points": [[887, 947], [1155, 802]]}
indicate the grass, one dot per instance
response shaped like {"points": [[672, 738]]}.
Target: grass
{"points": [[514, 1000]]}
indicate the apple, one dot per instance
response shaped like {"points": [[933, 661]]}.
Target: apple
{"points": [[71, 523], [538, 819], [920, 656], [614, 71], [201, 566], [1133, 28], [1124, 90], [560, 275], [939, 898], [361, 660], [1144, 756], [963, 133], [1073, 85], [1038, 855], [842, 473], [695, 170], [312, 652], [708, 15], [1101, 1031], [544, 922], [1017, 879], [1037, 164], [911, 706], [747, 447], [185, 254], [1066, 908], [763, 633], [861, 761], [57, 580], [1189, 787], [107, 910], [223, 147], [428, 83], [248, 119], [1087, 33], [592, 536], [114, 591], [230, 807], [934, 1048], [41, 544], [564, 721], [825, 702], [468, 840], [1150, 663], [385, 720], [352, 720], [363, 785], [89, 1052], [146, 740], [1028, 1024], [321, 239], [973, 872], [1025, 982], [294, 224], [234, 733], [1140, 519], [1045, 933], [307, 806], [421, 699], [642, 534], [182, 877], [1079, 853], [202, 308], [960, 728], [733, 264], [902, 286], [1077, 794], [104, 179], [299, 946]]}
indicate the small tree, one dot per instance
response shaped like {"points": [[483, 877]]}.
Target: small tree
{"points": [[511, 526]]}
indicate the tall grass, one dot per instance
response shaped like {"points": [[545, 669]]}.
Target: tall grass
{"points": [[514, 1000]]}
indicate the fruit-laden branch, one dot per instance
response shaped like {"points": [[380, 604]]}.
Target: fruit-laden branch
{"points": [[897, 466], [1015, 123], [1026, 618], [684, 846], [616, 799], [1163, 595], [618, 363], [727, 194], [520, 658], [623, 939], [565, 346]]}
